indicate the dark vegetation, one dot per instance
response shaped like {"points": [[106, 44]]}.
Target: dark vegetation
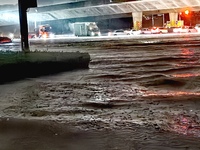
{"points": [[19, 65]]}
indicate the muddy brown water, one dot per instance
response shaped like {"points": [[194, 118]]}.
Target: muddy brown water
{"points": [[132, 97], [39, 135]]}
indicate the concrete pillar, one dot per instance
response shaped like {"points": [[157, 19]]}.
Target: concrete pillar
{"points": [[137, 20], [173, 18]]}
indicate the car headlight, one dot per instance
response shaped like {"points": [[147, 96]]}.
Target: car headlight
{"points": [[92, 33], [51, 35]]}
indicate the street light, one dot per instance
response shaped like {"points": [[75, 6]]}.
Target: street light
{"points": [[187, 12]]}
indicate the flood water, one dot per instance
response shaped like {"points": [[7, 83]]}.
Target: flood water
{"points": [[134, 96]]}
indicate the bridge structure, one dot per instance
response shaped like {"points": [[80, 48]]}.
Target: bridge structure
{"points": [[72, 9]]}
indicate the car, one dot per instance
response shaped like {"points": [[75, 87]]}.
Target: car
{"points": [[192, 29], [197, 27], [155, 30], [185, 29], [145, 31], [176, 29], [133, 32], [4, 39], [119, 32], [163, 30]]}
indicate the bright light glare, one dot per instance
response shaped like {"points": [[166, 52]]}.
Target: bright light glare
{"points": [[33, 17], [92, 33], [10, 17], [52, 35], [170, 93], [11, 35], [186, 75]]}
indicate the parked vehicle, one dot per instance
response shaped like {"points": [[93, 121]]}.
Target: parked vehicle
{"points": [[155, 30], [119, 32], [163, 30], [145, 31], [176, 29], [133, 32], [192, 29], [185, 29], [5, 40], [197, 27]]}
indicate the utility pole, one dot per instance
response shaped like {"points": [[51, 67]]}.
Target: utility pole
{"points": [[152, 18], [23, 6]]}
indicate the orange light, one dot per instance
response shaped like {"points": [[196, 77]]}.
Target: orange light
{"points": [[187, 12]]}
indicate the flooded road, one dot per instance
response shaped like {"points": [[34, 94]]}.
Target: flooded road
{"points": [[136, 95]]}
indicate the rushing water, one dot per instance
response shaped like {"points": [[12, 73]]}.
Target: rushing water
{"points": [[133, 97]]}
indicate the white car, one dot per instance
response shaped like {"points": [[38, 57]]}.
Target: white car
{"points": [[133, 32], [197, 27], [163, 30], [145, 31], [192, 29], [177, 29], [185, 29], [119, 32], [155, 30]]}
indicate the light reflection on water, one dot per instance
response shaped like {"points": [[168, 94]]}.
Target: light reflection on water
{"points": [[186, 124], [168, 73], [139, 74], [187, 52], [170, 93], [186, 75]]}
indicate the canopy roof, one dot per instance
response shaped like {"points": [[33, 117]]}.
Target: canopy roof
{"points": [[68, 9]]}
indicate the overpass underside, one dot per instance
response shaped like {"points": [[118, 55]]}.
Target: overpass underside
{"points": [[85, 9], [145, 6]]}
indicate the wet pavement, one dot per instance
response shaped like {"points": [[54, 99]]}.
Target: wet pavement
{"points": [[136, 94]]}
